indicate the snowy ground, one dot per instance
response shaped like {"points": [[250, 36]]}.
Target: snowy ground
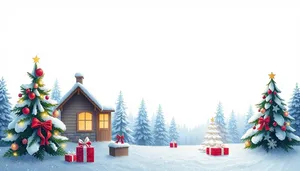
{"points": [[184, 158]]}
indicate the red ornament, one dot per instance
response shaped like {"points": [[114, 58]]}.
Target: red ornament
{"points": [[20, 95], [274, 124], [254, 127], [286, 113], [258, 110], [47, 97], [275, 92], [39, 72], [264, 97], [269, 91], [28, 91], [31, 96], [26, 110], [270, 101], [283, 128], [35, 85], [24, 141]]}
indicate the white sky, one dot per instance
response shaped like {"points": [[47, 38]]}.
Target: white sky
{"points": [[186, 59]]}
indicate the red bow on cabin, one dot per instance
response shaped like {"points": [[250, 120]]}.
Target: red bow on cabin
{"points": [[120, 138], [47, 127], [264, 123]]}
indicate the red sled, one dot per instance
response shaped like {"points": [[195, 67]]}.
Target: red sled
{"points": [[217, 151]]}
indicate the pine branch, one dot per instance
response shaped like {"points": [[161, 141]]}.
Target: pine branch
{"points": [[30, 75]]}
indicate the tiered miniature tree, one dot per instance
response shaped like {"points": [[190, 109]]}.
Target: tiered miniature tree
{"points": [[220, 121], [294, 109], [120, 123], [213, 136], [173, 133], [5, 108], [143, 134], [272, 124], [160, 132], [35, 130], [233, 130]]}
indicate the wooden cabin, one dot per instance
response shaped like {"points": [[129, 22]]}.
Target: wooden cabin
{"points": [[83, 115]]}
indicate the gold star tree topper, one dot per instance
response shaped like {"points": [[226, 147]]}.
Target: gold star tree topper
{"points": [[272, 76], [212, 119], [36, 59]]}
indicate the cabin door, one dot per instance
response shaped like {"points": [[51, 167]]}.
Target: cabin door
{"points": [[104, 127]]}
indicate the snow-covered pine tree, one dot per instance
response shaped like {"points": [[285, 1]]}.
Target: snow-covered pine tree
{"points": [[213, 136], [56, 94], [232, 129], [34, 130], [248, 116], [131, 121], [294, 109], [173, 133], [220, 121], [5, 108], [160, 132], [143, 133], [152, 123], [272, 124], [120, 122]]}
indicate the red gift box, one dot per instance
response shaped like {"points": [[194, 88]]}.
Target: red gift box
{"points": [[70, 157], [84, 151], [217, 151], [173, 144]]}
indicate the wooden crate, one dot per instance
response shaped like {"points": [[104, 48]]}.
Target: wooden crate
{"points": [[122, 151]]}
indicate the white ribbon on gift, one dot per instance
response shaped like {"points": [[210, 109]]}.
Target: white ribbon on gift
{"points": [[72, 154], [86, 143]]}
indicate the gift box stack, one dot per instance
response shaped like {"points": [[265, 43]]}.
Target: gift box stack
{"points": [[84, 152], [173, 144], [217, 151]]}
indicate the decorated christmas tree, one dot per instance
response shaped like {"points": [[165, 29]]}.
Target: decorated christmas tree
{"points": [[212, 137], [271, 126], [35, 129]]}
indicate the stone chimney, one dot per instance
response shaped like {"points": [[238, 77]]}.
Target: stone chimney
{"points": [[79, 78]]}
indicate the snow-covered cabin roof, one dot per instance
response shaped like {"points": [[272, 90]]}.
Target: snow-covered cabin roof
{"points": [[89, 96]]}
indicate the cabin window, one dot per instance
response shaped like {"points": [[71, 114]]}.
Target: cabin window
{"points": [[85, 121], [103, 121]]}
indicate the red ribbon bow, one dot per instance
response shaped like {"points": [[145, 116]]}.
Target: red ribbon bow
{"points": [[120, 138], [264, 123], [47, 127], [86, 142]]}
